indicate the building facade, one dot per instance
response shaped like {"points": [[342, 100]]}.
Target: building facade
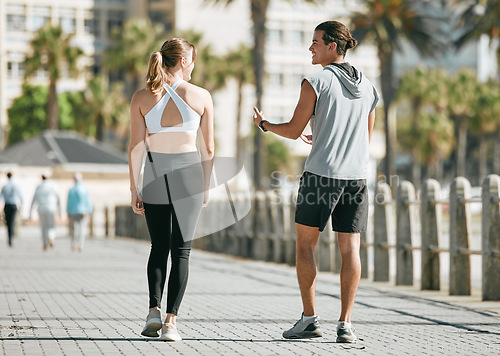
{"points": [[290, 28], [89, 21]]}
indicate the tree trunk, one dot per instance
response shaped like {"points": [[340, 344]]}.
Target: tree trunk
{"points": [[53, 107], [135, 84], [239, 145], [416, 171], [496, 154], [438, 167], [386, 79], [483, 156], [461, 146], [99, 128], [258, 10]]}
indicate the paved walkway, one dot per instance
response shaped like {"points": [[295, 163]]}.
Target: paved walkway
{"points": [[93, 303]]}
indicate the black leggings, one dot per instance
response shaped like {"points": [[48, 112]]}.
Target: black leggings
{"points": [[166, 237]]}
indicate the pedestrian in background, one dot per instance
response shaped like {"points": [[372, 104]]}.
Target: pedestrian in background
{"points": [[47, 199], [78, 207], [339, 102], [13, 198]]}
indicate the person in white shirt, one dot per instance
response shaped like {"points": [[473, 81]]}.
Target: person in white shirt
{"points": [[47, 199]]}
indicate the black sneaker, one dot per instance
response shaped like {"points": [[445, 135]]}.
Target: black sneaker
{"points": [[345, 333], [304, 329]]}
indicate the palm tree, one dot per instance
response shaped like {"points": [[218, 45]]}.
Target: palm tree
{"points": [[414, 87], [480, 17], [240, 67], [434, 139], [485, 120], [52, 51], [386, 23], [461, 98], [99, 106], [427, 93], [258, 14], [437, 141], [106, 104], [133, 44]]}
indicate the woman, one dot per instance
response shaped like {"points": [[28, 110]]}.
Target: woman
{"points": [[166, 118]]}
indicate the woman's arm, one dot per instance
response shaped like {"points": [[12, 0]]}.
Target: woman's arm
{"points": [[206, 141], [136, 151]]}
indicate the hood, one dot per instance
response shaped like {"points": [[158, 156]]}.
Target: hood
{"points": [[350, 83]]}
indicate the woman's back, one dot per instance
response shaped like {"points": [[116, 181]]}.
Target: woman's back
{"points": [[172, 116]]}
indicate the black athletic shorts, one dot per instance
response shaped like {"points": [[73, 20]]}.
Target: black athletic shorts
{"points": [[346, 201]]}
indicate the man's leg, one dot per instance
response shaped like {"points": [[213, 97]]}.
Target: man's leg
{"points": [[51, 229], [350, 272], [10, 220], [71, 229], [83, 230], [307, 237], [44, 225]]}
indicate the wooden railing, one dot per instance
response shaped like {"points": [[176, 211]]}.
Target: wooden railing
{"points": [[268, 233]]}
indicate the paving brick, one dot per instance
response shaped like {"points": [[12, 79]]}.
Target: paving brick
{"points": [[94, 303]]}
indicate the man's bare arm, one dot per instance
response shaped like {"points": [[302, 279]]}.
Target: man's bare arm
{"points": [[303, 112], [371, 122]]}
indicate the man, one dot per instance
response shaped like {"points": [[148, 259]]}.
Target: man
{"points": [[78, 207], [11, 194], [333, 184], [48, 203]]}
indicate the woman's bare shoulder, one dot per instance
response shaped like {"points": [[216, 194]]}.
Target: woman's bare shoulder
{"points": [[142, 94], [192, 89]]}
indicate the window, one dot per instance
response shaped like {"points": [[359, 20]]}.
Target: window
{"points": [[41, 16], [95, 68], [161, 18], [68, 21], [16, 17], [296, 78], [115, 19], [68, 25], [16, 23], [297, 37], [276, 79], [42, 73], [92, 23], [39, 22], [275, 36]]}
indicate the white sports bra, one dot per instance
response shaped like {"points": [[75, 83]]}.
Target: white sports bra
{"points": [[190, 118]]}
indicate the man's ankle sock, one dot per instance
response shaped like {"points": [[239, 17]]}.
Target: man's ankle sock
{"points": [[344, 324], [308, 318]]}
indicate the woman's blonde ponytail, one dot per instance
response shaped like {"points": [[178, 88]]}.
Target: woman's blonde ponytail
{"points": [[171, 51], [156, 76]]}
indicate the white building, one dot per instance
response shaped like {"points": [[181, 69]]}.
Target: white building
{"points": [[90, 21]]}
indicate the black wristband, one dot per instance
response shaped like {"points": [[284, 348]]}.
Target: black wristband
{"points": [[262, 127]]}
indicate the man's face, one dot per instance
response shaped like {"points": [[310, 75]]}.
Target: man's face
{"points": [[321, 53]]}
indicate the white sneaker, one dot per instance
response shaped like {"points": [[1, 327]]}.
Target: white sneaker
{"points": [[304, 329], [153, 323], [169, 333], [345, 332]]}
